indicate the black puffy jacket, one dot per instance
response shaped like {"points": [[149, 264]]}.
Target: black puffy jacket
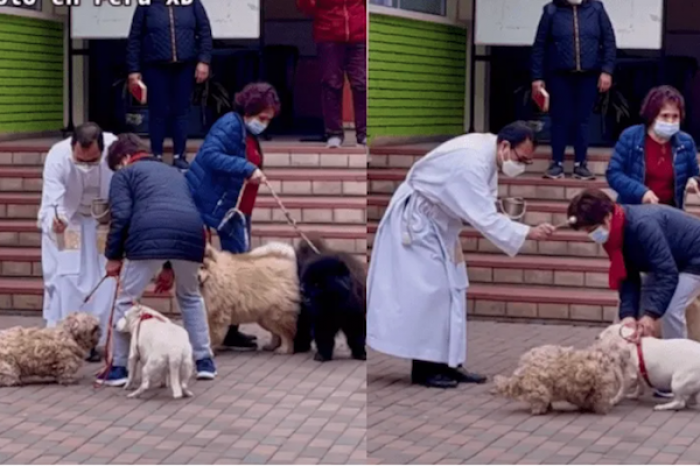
{"points": [[153, 215], [662, 242], [573, 38], [168, 34]]}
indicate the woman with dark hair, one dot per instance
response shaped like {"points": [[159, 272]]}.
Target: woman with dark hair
{"points": [[657, 240], [655, 162], [230, 160], [574, 54], [171, 46]]}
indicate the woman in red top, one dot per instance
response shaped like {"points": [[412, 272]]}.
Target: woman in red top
{"points": [[340, 30], [655, 162]]}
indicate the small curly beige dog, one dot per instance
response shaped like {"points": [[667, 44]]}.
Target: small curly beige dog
{"points": [[260, 287], [52, 353], [590, 379]]}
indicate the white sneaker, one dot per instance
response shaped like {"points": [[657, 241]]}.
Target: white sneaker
{"points": [[334, 142]]}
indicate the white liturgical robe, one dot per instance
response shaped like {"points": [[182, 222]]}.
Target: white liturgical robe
{"points": [[71, 271], [417, 280]]}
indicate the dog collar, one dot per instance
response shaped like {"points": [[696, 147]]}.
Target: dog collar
{"points": [[146, 316], [642, 366]]}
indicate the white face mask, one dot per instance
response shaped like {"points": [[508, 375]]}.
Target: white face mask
{"points": [[666, 130], [575, 2], [255, 126], [512, 168], [600, 235], [86, 168]]}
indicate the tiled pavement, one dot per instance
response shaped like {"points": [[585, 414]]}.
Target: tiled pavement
{"points": [[467, 425], [262, 409]]}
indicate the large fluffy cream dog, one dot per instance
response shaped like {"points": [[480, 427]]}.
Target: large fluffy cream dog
{"points": [[670, 364], [161, 347], [53, 353], [259, 287], [590, 379]]}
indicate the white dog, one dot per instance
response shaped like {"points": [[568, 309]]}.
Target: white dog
{"points": [[670, 365], [163, 349]]}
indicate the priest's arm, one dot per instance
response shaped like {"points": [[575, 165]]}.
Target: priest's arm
{"points": [[467, 194]]}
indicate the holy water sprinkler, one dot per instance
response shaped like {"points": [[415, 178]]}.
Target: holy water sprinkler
{"points": [[569, 222]]}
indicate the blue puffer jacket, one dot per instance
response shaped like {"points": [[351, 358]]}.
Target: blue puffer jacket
{"points": [[663, 242], [153, 216], [218, 171], [556, 47], [167, 34], [626, 170]]}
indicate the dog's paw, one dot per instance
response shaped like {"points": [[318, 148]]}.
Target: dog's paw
{"points": [[283, 350], [187, 393], [134, 394]]}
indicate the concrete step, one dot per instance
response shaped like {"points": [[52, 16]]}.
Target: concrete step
{"points": [[563, 243], [406, 156], [493, 301], [569, 272], [349, 238], [276, 155], [538, 211], [286, 181], [304, 209], [531, 187]]}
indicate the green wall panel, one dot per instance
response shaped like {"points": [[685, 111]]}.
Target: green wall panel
{"points": [[416, 79], [31, 74]]}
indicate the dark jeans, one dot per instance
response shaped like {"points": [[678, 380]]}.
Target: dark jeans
{"points": [[231, 246], [169, 95], [572, 98], [337, 59]]}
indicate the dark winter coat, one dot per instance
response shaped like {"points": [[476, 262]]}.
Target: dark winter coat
{"points": [[217, 174], [168, 34], [627, 168], [153, 215], [662, 242], [337, 20], [573, 38]]}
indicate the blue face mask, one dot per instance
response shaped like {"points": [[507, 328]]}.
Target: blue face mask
{"points": [[600, 235], [666, 130], [255, 126]]}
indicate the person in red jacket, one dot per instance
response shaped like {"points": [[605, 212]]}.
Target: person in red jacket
{"points": [[340, 31]]}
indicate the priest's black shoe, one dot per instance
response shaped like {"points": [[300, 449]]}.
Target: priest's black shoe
{"points": [[435, 381], [462, 376], [94, 356]]}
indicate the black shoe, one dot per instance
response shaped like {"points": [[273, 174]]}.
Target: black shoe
{"points": [[94, 356], [238, 340], [435, 381], [462, 376], [555, 171], [582, 172], [181, 164]]}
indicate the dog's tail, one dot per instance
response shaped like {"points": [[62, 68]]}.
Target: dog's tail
{"points": [[508, 387]]}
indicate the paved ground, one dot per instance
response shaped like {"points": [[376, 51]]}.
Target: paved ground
{"points": [[467, 425], [262, 409]]}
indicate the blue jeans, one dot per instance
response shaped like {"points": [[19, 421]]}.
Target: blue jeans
{"points": [[572, 98], [136, 275], [169, 99], [228, 237]]}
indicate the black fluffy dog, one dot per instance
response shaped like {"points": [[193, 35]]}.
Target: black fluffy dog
{"points": [[333, 285]]}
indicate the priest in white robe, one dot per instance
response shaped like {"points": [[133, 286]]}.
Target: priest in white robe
{"points": [[417, 281], [75, 174]]}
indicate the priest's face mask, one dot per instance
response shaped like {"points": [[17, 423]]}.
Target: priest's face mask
{"points": [[514, 159], [86, 158]]}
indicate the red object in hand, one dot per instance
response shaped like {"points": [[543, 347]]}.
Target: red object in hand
{"points": [[165, 281], [138, 89], [541, 98]]}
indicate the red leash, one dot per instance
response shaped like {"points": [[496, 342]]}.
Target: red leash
{"points": [[108, 343], [636, 340]]}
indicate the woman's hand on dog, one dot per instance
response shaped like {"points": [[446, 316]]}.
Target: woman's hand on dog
{"points": [[647, 326]]}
